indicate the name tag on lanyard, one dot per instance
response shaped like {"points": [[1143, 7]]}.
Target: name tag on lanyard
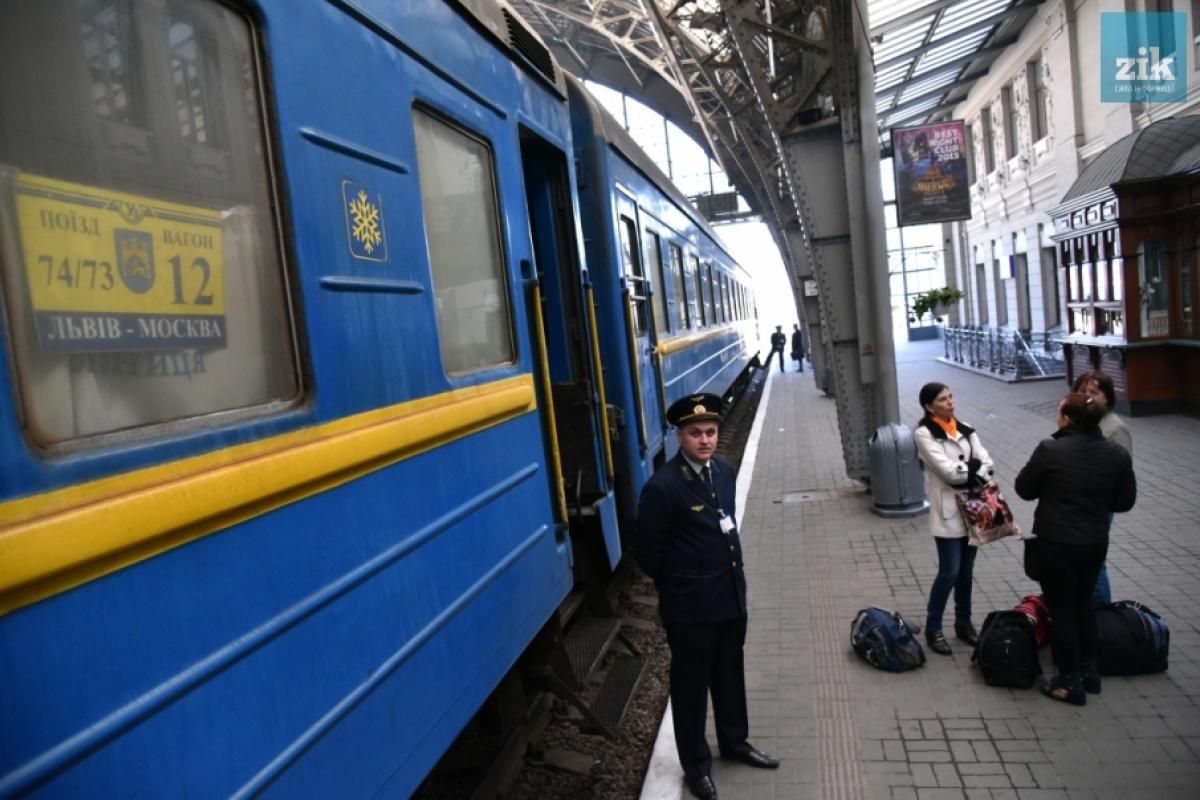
{"points": [[726, 524]]}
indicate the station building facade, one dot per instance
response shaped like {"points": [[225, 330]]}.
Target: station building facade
{"points": [[1035, 123]]}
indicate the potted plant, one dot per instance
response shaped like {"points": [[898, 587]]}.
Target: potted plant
{"points": [[937, 301]]}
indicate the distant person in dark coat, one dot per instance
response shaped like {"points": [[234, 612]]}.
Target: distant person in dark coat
{"points": [[798, 347], [778, 342], [687, 541], [1078, 478]]}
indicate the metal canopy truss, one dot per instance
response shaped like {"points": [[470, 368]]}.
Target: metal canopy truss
{"points": [[781, 93]]}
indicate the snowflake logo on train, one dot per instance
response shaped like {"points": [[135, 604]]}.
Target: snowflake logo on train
{"points": [[364, 222]]}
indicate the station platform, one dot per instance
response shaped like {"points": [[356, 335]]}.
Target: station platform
{"points": [[816, 554]]}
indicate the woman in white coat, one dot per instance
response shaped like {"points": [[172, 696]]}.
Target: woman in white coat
{"points": [[954, 460]]}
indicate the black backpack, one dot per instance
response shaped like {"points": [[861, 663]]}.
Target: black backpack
{"points": [[1007, 651], [1132, 639], [885, 640]]}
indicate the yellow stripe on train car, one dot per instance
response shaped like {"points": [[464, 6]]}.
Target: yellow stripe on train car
{"points": [[676, 343], [58, 540]]}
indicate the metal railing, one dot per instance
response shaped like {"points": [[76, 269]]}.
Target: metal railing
{"points": [[1006, 352]]}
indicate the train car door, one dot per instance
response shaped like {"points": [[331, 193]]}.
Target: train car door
{"points": [[569, 357], [639, 329]]}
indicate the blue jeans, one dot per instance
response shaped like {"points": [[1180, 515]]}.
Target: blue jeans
{"points": [[956, 567], [1102, 594]]}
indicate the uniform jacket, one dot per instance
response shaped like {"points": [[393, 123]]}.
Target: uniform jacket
{"points": [[1077, 477], [696, 568], [945, 463], [778, 340]]}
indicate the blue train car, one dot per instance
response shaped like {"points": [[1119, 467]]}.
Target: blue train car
{"points": [[679, 309], [280, 498], [303, 439]]}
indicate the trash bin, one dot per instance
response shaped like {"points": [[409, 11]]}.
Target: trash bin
{"points": [[896, 481]]}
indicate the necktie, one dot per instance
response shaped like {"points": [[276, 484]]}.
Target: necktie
{"points": [[707, 475]]}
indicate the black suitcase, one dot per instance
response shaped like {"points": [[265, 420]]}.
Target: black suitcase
{"points": [[1133, 640]]}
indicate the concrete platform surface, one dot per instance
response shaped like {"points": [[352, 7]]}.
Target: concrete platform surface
{"points": [[816, 554]]}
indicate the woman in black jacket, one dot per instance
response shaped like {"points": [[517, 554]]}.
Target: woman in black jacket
{"points": [[1078, 477]]}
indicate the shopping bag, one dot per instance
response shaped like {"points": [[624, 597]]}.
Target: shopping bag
{"points": [[986, 514]]}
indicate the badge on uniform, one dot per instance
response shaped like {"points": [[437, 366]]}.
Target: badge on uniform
{"points": [[698, 508], [726, 524]]}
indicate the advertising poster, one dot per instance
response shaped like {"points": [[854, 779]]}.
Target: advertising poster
{"points": [[931, 173]]}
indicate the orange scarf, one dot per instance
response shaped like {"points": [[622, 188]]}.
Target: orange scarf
{"points": [[951, 427]]}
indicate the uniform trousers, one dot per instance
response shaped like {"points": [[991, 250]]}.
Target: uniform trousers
{"points": [[707, 657], [771, 355]]}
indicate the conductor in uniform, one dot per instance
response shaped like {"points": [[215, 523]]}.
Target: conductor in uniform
{"points": [[687, 541]]}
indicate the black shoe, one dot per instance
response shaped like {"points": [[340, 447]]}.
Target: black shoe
{"points": [[967, 633], [1065, 689], [937, 643], [1091, 677], [702, 787], [755, 758]]}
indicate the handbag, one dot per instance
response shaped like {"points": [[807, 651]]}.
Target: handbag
{"points": [[986, 514]]}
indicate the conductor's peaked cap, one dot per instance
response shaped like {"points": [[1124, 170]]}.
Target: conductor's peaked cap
{"points": [[694, 408]]}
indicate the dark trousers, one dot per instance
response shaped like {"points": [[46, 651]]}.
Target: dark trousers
{"points": [[956, 570], [1067, 573], [707, 658], [771, 355]]}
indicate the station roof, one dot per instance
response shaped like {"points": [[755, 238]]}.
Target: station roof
{"points": [[928, 53]]}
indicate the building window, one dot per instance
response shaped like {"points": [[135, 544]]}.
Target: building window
{"points": [[970, 154], [1039, 123], [112, 52], [462, 234], [1050, 294], [989, 159], [1009, 110], [981, 296], [1155, 288], [1187, 257], [1001, 294], [193, 72]]}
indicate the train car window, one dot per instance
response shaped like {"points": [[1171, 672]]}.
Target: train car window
{"points": [[696, 301], [632, 263], [657, 282], [462, 234], [725, 315], [714, 294], [142, 277], [681, 322]]}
